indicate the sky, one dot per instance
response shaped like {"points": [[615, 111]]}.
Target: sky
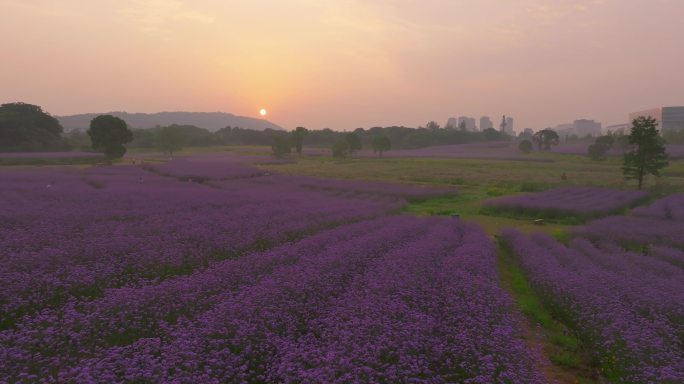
{"points": [[344, 64]]}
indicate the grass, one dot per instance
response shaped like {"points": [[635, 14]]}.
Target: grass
{"points": [[571, 361]]}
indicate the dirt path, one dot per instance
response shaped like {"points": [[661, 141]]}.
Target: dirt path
{"points": [[536, 329]]}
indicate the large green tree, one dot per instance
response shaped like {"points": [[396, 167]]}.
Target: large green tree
{"points": [[599, 150], [281, 145], [381, 144], [545, 139], [647, 156], [26, 127], [109, 134], [353, 142], [340, 148], [298, 138]]}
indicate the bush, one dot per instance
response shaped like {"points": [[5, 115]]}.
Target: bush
{"points": [[525, 146]]}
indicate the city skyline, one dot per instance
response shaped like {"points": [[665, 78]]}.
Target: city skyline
{"points": [[346, 64]]}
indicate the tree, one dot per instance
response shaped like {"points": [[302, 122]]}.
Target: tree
{"points": [[109, 134], [600, 148], [26, 127], [432, 125], [169, 139], [353, 142], [648, 152], [381, 144], [525, 146], [546, 137], [298, 138], [281, 145], [340, 148]]}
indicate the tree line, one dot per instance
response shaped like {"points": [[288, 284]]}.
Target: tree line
{"points": [[26, 127]]}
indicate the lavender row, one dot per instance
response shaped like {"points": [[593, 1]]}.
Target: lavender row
{"points": [[74, 239], [439, 317], [343, 187], [580, 201], [667, 208], [235, 335], [627, 307], [86, 328], [437, 283], [229, 167], [634, 230]]}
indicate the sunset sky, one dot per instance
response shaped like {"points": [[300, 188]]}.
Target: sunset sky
{"points": [[347, 63]]}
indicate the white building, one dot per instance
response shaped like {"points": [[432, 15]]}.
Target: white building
{"points": [[485, 122], [468, 122], [584, 127]]}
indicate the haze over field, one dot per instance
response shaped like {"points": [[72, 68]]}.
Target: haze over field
{"points": [[345, 64]]}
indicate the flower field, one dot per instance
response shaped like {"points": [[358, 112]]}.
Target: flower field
{"points": [[116, 274], [76, 234], [667, 208], [211, 270], [660, 223], [576, 201], [628, 308]]}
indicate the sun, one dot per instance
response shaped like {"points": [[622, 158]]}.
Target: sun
{"points": [[263, 112]]}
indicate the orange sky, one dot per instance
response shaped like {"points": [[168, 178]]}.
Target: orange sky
{"points": [[347, 63]]}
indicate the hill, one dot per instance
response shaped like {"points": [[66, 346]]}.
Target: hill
{"points": [[212, 121]]}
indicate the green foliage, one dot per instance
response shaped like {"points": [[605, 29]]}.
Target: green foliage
{"points": [[599, 150], [281, 145], [432, 125], [545, 139], [381, 144], [340, 148], [169, 139], [298, 138], [353, 142], [25, 127], [109, 134], [525, 146], [648, 155]]}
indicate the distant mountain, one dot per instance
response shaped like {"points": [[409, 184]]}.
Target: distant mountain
{"points": [[212, 121]]}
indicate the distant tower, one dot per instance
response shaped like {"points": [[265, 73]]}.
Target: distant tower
{"points": [[502, 127], [509, 125]]}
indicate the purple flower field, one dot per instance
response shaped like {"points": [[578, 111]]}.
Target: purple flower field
{"points": [[205, 167], [118, 274], [660, 223], [77, 234], [115, 274], [576, 201], [667, 208], [628, 307]]}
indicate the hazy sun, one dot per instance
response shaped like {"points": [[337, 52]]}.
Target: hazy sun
{"points": [[263, 112]]}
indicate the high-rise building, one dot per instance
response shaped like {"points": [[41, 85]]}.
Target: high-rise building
{"points": [[668, 118], [452, 123], [509, 126], [468, 122], [485, 122], [584, 127]]}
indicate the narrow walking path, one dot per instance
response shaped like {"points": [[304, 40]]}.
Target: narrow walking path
{"points": [[560, 356]]}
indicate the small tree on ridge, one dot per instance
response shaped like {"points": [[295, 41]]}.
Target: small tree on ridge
{"points": [[648, 152]]}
